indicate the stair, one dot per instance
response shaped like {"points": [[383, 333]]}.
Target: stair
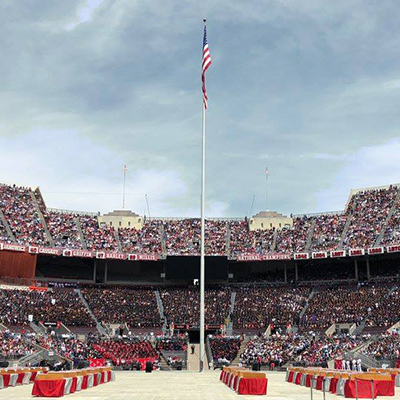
{"points": [[116, 236], [38, 329], [99, 326], [82, 238], [346, 227], [360, 328], [388, 218], [162, 238], [160, 308], [303, 311], [274, 239], [42, 220], [310, 236], [42, 354], [242, 348], [7, 227], [228, 240]]}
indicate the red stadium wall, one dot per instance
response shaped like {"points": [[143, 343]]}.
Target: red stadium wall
{"points": [[17, 265]]}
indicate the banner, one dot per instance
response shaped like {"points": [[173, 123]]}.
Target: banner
{"points": [[13, 247], [338, 253], [301, 256], [263, 257], [375, 250], [356, 252], [393, 249], [319, 254], [77, 253], [142, 257]]}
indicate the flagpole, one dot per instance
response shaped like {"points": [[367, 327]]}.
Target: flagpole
{"points": [[202, 252]]}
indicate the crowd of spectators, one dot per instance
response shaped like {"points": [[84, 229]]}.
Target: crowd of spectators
{"points": [[309, 350], [68, 346], [392, 232], [63, 229], [126, 351], [62, 305], [327, 231], [13, 346], [20, 212], [182, 305], [386, 346], [258, 307], [224, 349], [341, 304], [97, 237], [137, 307], [369, 210], [145, 240], [366, 215], [173, 343]]}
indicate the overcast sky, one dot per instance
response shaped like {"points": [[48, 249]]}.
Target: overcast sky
{"points": [[309, 89]]}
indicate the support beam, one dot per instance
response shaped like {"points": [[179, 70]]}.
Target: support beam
{"points": [[368, 270], [106, 272], [94, 271], [296, 272], [285, 273], [356, 269]]}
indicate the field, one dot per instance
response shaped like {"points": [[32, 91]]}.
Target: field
{"points": [[178, 386]]}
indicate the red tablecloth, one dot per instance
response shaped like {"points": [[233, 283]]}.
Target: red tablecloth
{"points": [[73, 384], [320, 380], [253, 386], [33, 376], [298, 378], [385, 388], [84, 382], [221, 376], [20, 378], [364, 389], [6, 380], [290, 377], [334, 382], [48, 388]]}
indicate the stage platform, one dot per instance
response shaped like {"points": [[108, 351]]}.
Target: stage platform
{"points": [[179, 385]]}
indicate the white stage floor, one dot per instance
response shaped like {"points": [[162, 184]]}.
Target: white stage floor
{"points": [[178, 386]]}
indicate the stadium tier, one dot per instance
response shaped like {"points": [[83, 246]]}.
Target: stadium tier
{"points": [[324, 287], [370, 221]]}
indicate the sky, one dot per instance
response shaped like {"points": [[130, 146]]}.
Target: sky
{"points": [[309, 89]]}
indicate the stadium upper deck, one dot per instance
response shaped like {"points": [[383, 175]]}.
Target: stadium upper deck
{"points": [[370, 223]]}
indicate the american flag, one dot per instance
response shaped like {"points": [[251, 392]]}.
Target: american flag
{"points": [[206, 63]]}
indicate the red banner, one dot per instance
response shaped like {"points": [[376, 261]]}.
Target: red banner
{"points": [[356, 252], [263, 257], [338, 253], [375, 250], [301, 256], [319, 254], [142, 257], [393, 249], [14, 247], [77, 253]]}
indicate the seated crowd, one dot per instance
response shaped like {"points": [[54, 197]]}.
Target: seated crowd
{"points": [[62, 305], [173, 343], [224, 349], [258, 307], [135, 307], [182, 305], [366, 215]]}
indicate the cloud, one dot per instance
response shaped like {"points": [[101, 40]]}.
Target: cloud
{"points": [[76, 174], [84, 14], [370, 166]]}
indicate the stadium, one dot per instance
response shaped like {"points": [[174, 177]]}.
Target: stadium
{"points": [[230, 130], [321, 289]]}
